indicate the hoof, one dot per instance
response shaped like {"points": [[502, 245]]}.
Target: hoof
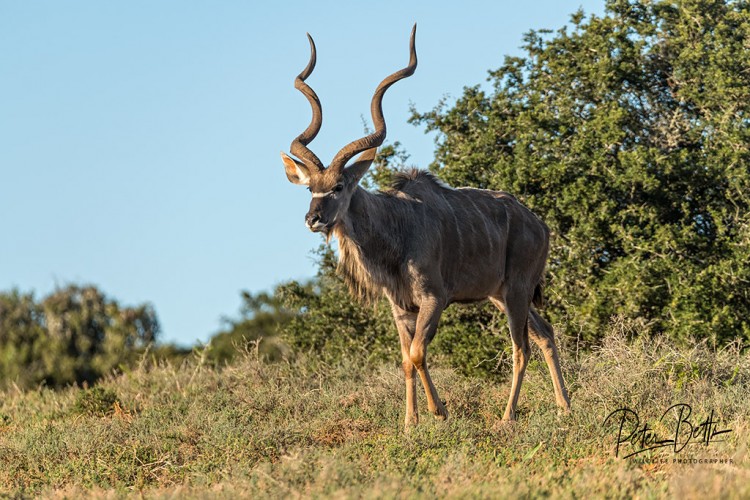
{"points": [[563, 407], [410, 423], [509, 418], [440, 412]]}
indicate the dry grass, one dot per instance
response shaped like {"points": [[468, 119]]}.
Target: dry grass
{"points": [[283, 430]]}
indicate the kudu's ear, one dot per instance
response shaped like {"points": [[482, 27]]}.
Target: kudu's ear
{"points": [[296, 171], [356, 170]]}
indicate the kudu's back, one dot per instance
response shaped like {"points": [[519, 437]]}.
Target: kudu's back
{"points": [[471, 241]]}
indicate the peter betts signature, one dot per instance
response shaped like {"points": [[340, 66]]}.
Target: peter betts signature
{"points": [[679, 422]]}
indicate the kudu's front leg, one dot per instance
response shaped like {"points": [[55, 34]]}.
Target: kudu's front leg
{"points": [[427, 323], [406, 324]]}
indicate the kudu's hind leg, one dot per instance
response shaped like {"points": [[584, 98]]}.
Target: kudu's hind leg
{"points": [[406, 323], [427, 322], [542, 334], [517, 310]]}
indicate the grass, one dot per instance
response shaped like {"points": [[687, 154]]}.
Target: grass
{"points": [[278, 430]]}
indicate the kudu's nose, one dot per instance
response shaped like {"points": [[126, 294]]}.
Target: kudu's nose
{"points": [[314, 223], [311, 219]]}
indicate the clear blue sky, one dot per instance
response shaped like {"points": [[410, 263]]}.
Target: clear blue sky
{"points": [[139, 140]]}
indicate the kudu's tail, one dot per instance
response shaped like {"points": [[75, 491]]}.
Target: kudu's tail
{"points": [[538, 299]]}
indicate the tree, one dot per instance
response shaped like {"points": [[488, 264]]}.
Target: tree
{"points": [[629, 134], [74, 335], [22, 339]]}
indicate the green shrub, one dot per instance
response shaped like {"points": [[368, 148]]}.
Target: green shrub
{"points": [[75, 334], [96, 401]]}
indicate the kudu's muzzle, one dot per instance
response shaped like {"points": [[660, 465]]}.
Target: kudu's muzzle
{"points": [[314, 222]]}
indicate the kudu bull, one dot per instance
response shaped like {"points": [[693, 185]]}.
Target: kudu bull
{"points": [[425, 245]]}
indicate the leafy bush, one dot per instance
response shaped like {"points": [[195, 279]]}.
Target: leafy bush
{"points": [[74, 335], [97, 401], [331, 324]]}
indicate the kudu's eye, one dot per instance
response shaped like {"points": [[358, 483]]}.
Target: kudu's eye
{"points": [[338, 188]]}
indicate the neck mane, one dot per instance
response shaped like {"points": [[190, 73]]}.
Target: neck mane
{"points": [[370, 247]]}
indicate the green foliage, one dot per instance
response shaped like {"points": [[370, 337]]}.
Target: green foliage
{"points": [[160, 353], [262, 316], [331, 324], [629, 134], [74, 335], [390, 158], [23, 340], [473, 340], [97, 401]]}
